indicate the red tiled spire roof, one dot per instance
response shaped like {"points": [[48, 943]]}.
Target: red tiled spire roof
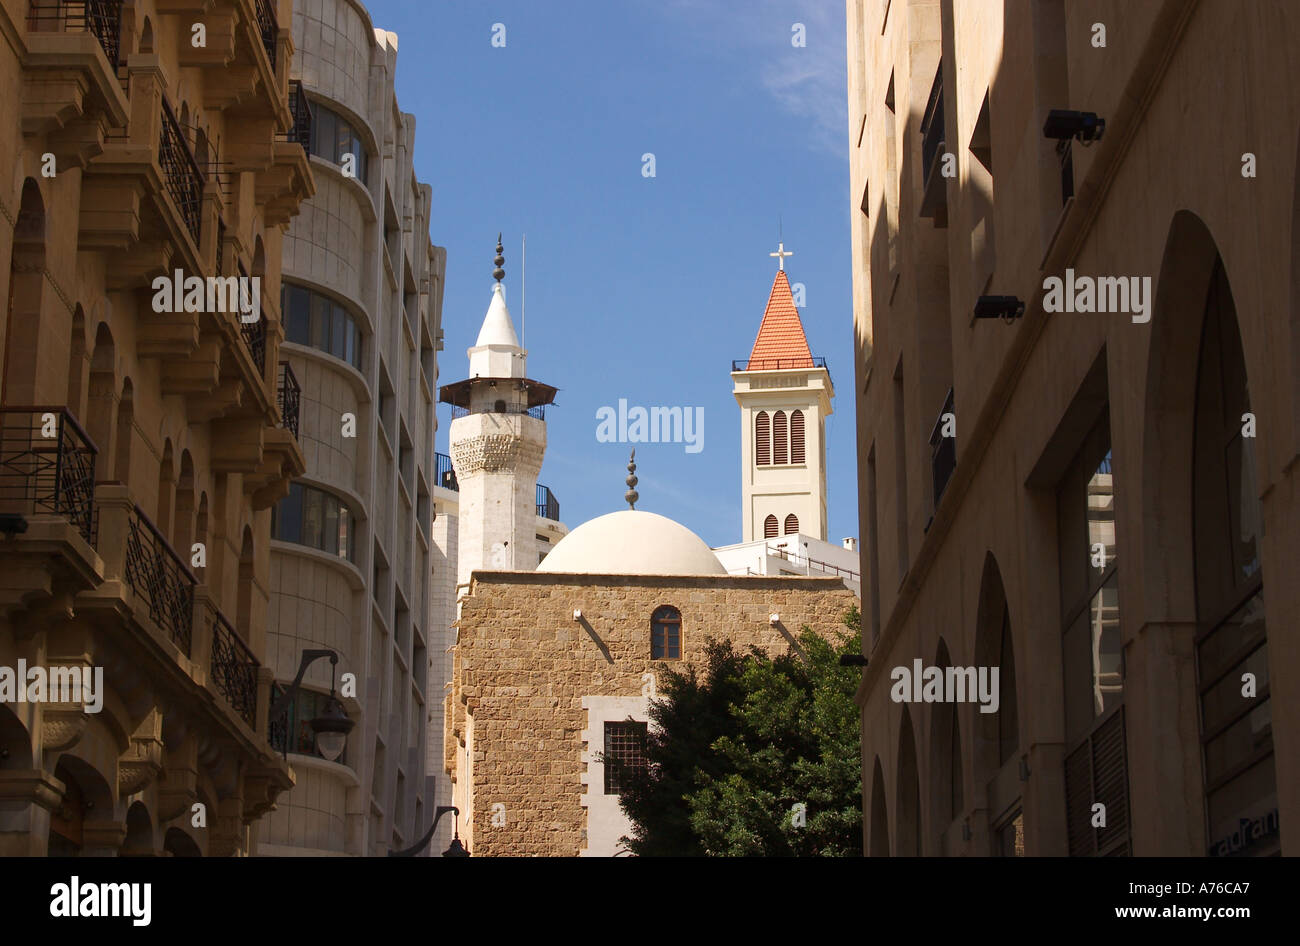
{"points": [[781, 342]]}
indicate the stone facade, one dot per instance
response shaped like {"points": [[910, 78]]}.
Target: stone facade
{"points": [[523, 667], [145, 473], [361, 253], [1069, 422]]}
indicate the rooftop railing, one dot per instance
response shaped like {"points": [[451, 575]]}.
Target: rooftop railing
{"points": [[776, 364], [445, 473], [548, 507], [47, 465]]}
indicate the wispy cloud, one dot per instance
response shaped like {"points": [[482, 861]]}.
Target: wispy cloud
{"points": [[808, 82]]}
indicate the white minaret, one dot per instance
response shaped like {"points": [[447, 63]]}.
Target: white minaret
{"points": [[498, 438], [785, 397]]}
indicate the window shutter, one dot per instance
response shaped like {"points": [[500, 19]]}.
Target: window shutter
{"points": [[780, 446], [1095, 772], [762, 439], [791, 524], [769, 527], [796, 437]]}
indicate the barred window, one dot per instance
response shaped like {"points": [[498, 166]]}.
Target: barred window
{"points": [[625, 744], [666, 634]]}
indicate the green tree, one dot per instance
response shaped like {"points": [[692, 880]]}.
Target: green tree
{"points": [[735, 750]]}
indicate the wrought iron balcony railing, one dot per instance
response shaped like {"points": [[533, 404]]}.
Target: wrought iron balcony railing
{"points": [[290, 398], [932, 126], [181, 172], [161, 579], [548, 507], [775, 364], [277, 730], [943, 452], [539, 411], [221, 246], [47, 465], [300, 109], [102, 18], [446, 473], [268, 26], [234, 668], [254, 332]]}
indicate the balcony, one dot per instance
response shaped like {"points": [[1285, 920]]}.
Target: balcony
{"points": [[254, 333], [100, 18], [269, 27], [160, 579], [548, 507], [47, 465], [943, 452], [182, 175], [289, 397], [300, 109], [538, 411], [934, 200], [233, 668], [446, 473]]}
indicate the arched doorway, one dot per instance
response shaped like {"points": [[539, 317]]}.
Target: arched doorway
{"points": [[908, 795], [878, 841], [947, 792]]}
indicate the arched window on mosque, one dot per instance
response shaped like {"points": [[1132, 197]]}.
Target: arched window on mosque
{"points": [[796, 437], [770, 527], [780, 439], [791, 524], [666, 634]]}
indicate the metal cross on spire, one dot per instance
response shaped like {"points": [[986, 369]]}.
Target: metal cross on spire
{"points": [[781, 254]]}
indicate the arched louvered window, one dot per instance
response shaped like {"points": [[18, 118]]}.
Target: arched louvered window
{"points": [[796, 437], [763, 438], [666, 634], [769, 527], [791, 524], [780, 440]]}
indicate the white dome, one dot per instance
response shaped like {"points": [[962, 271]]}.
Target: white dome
{"points": [[632, 543]]}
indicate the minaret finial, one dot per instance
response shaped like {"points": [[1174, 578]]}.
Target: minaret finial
{"points": [[499, 273], [631, 495]]}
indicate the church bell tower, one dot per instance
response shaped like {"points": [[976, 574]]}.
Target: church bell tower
{"points": [[785, 396]]}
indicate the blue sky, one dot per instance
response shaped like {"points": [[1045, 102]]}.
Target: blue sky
{"points": [[638, 288]]}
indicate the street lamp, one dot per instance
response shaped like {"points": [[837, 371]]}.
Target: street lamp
{"points": [[332, 727], [455, 849]]}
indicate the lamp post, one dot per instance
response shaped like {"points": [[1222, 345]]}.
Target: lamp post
{"points": [[455, 849], [332, 727]]}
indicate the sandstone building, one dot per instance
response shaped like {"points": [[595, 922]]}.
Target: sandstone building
{"points": [[351, 562], [141, 450], [1102, 504]]}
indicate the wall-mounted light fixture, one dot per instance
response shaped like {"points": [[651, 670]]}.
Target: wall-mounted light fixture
{"points": [[1064, 124], [774, 619], [577, 614]]}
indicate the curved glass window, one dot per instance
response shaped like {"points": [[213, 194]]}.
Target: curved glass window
{"points": [[317, 519], [332, 137], [320, 322]]}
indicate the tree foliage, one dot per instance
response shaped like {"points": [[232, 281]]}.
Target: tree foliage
{"points": [[736, 745]]}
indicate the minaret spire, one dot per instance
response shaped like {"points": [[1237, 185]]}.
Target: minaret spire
{"points": [[631, 495], [499, 273]]}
